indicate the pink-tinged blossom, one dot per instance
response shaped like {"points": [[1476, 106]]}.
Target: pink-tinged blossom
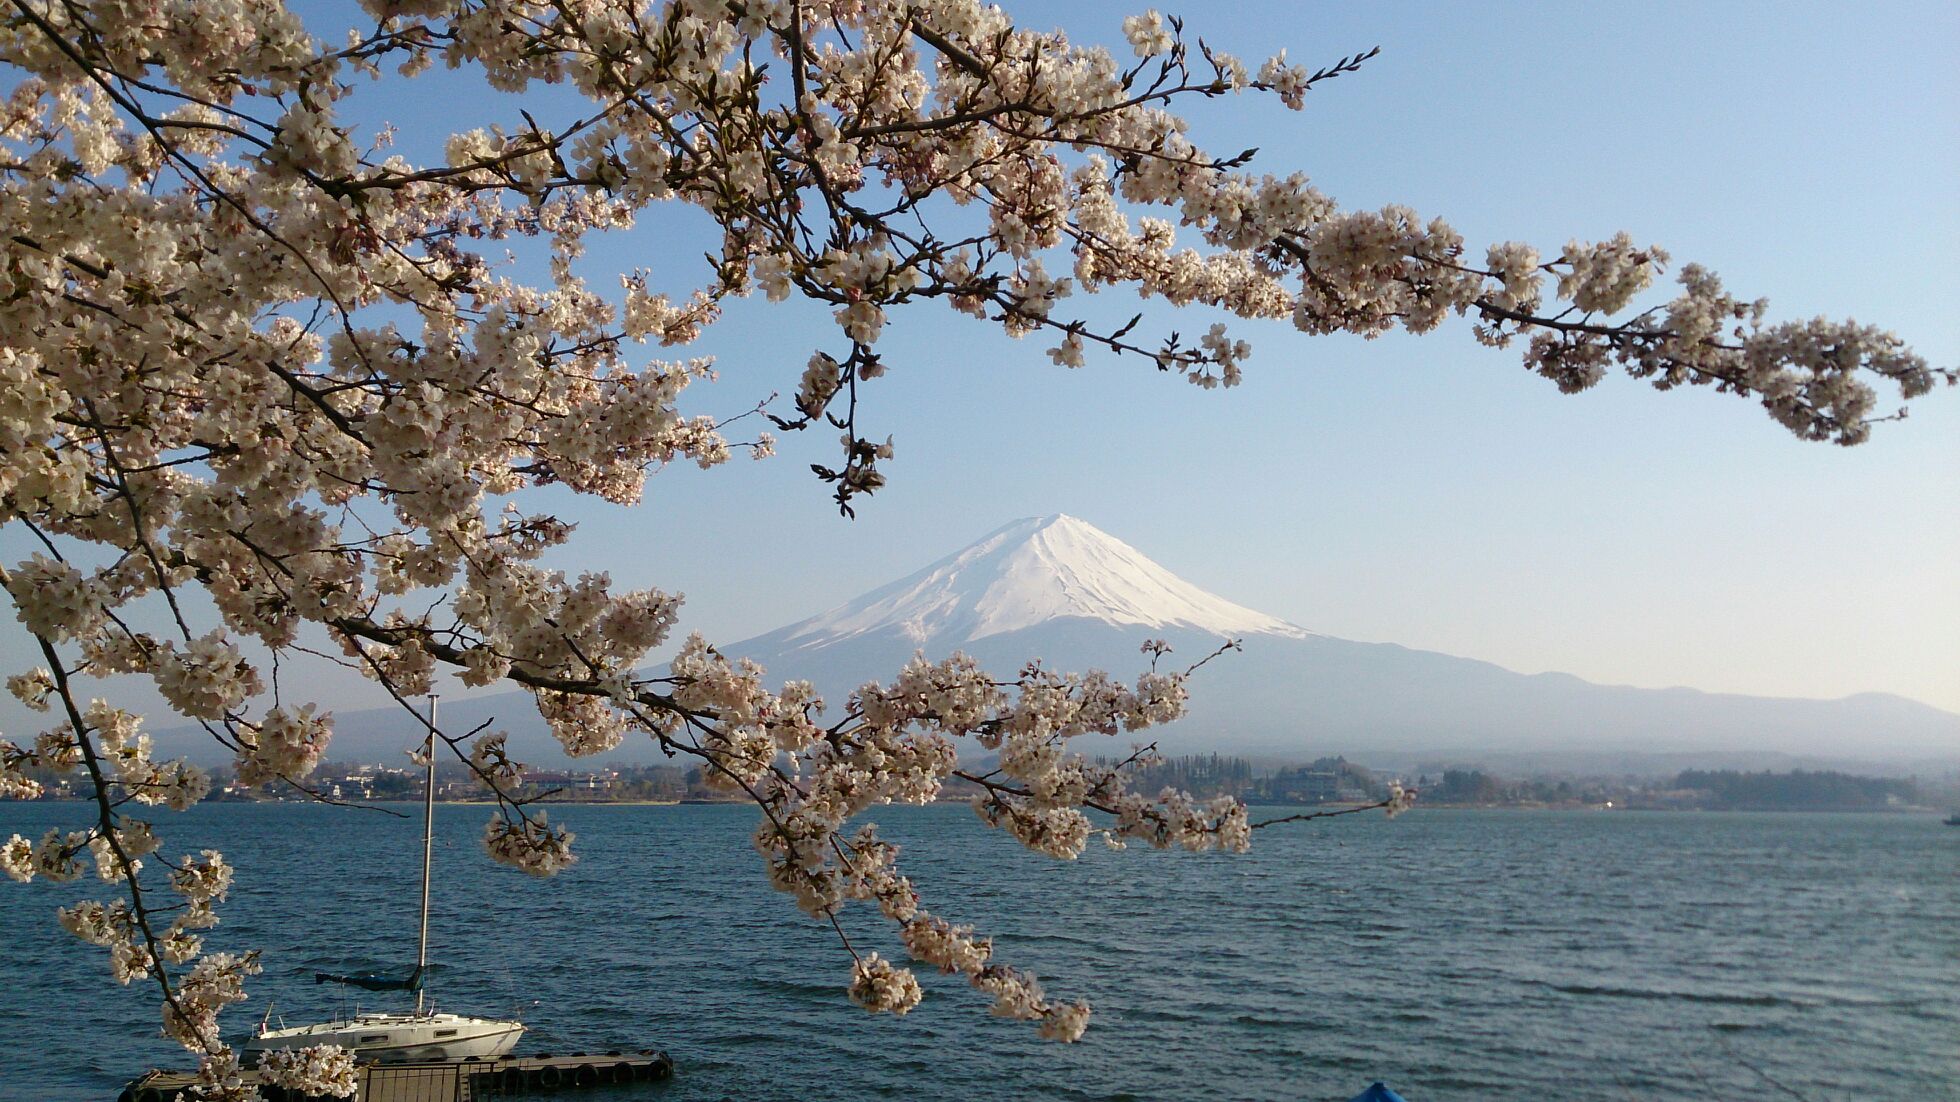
{"points": [[1147, 34], [531, 845], [1400, 799], [880, 987], [317, 1071], [286, 743], [32, 688]]}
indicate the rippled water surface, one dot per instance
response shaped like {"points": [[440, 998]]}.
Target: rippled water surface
{"points": [[1455, 954]]}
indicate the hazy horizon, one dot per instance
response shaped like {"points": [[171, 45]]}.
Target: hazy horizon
{"points": [[1061, 588]]}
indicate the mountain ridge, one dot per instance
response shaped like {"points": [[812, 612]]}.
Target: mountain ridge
{"points": [[1060, 589], [1026, 572]]}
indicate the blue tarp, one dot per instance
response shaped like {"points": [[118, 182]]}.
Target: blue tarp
{"points": [[374, 981], [1377, 1092]]}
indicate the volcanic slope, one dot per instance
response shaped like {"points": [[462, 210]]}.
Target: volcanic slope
{"points": [[1059, 589]]}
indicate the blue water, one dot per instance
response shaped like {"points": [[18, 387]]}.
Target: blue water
{"points": [[1456, 954]]}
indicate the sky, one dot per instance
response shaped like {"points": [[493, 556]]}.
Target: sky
{"points": [[1428, 491]]}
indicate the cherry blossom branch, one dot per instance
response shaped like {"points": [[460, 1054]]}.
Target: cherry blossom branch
{"points": [[248, 359]]}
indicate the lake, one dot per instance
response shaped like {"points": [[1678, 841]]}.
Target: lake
{"points": [[1454, 954]]}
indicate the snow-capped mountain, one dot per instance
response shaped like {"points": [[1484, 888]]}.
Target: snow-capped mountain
{"points": [[1025, 574], [1059, 589]]}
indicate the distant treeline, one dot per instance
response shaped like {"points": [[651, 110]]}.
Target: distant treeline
{"points": [[1795, 791], [1335, 780], [1478, 788], [1324, 780], [1209, 774]]}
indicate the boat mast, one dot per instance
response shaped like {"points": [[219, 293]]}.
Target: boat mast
{"points": [[428, 853]]}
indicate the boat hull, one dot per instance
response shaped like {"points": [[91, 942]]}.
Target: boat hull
{"points": [[400, 1038]]}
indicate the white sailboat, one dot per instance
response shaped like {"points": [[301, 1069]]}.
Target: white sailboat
{"points": [[423, 1034]]}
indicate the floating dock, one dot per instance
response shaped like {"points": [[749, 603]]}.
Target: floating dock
{"points": [[449, 1080]]}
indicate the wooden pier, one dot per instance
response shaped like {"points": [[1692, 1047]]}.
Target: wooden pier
{"points": [[450, 1080]]}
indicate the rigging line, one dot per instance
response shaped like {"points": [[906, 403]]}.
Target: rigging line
{"points": [[428, 854]]}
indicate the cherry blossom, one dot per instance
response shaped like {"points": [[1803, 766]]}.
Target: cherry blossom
{"points": [[254, 355], [317, 1071]]}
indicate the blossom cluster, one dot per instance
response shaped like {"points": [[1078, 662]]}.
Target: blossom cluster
{"points": [[316, 1071], [284, 744], [530, 845]]}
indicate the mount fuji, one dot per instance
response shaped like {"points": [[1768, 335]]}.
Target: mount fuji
{"points": [[1030, 574], [1062, 590]]}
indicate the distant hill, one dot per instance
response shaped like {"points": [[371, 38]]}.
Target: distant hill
{"points": [[1062, 590]]}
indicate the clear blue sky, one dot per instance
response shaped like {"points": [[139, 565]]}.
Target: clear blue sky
{"points": [[1428, 491]]}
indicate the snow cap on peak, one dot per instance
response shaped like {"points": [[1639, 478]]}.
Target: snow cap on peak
{"points": [[1031, 571]]}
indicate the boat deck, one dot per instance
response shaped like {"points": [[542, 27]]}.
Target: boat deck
{"points": [[452, 1080]]}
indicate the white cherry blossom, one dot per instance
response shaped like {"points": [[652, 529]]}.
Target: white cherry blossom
{"points": [[265, 380]]}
